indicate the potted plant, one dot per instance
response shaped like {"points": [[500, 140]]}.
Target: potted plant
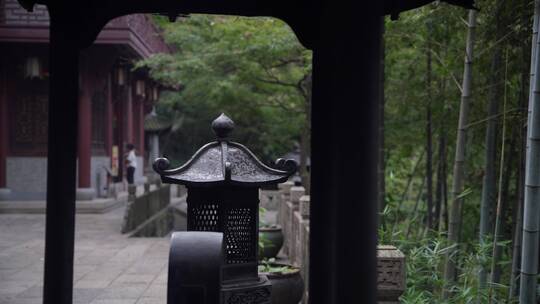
{"points": [[270, 238], [287, 283]]}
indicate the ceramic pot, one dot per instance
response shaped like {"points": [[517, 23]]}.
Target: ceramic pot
{"points": [[272, 238], [287, 288]]}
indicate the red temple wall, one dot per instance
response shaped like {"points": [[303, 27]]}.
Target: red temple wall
{"points": [[24, 117]]}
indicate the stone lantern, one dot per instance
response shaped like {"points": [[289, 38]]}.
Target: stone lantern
{"points": [[154, 127], [223, 180]]}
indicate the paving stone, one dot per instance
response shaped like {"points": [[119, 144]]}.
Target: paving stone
{"points": [[32, 292], [109, 268], [102, 275], [85, 295], [81, 270], [92, 284], [114, 301], [134, 279], [25, 301], [14, 287], [127, 291], [162, 277], [7, 274], [28, 274], [156, 291], [5, 299], [145, 300]]}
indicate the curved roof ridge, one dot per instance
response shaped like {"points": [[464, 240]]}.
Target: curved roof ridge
{"points": [[225, 162]]}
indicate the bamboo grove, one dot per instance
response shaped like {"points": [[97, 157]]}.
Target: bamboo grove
{"points": [[462, 152]]}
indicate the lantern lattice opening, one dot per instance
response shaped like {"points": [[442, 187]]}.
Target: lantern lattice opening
{"points": [[234, 212], [239, 231]]}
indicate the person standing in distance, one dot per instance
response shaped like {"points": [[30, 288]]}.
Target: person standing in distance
{"points": [[131, 163]]}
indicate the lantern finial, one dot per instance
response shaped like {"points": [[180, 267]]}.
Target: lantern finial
{"points": [[222, 126]]}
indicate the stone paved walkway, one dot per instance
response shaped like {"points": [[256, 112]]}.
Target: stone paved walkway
{"points": [[109, 267]]}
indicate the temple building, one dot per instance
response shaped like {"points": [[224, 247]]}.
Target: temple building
{"points": [[113, 103]]}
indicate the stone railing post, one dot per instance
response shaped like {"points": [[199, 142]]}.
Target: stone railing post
{"points": [[304, 243], [283, 215], [132, 192], [146, 187], [127, 222], [390, 274], [181, 190], [294, 221], [269, 199]]}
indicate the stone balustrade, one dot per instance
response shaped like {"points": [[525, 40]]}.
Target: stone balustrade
{"points": [[284, 212], [148, 214], [293, 215]]}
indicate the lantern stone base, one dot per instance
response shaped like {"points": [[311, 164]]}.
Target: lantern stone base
{"points": [[85, 194], [5, 194], [256, 292]]}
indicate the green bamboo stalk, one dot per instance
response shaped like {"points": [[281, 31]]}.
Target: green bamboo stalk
{"points": [[381, 166], [503, 192], [404, 194], [518, 237], [489, 192], [531, 214], [440, 182], [516, 247], [414, 214], [459, 161], [533, 70], [429, 133]]}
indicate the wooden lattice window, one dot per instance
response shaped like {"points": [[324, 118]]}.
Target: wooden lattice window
{"points": [[28, 107], [99, 114]]}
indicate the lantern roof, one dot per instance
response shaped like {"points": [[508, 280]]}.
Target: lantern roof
{"points": [[224, 162], [154, 123]]}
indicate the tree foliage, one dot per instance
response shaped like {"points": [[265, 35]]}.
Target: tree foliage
{"points": [[253, 69]]}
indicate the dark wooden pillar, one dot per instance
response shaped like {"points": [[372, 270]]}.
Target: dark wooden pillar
{"points": [[344, 154], [140, 127], [110, 116], [119, 130], [62, 162], [128, 114], [3, 123], [85, 126]]}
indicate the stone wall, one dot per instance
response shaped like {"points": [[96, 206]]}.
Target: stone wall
{"points": [[98, 174], [26, 177], [148, 215], [293, 216]]}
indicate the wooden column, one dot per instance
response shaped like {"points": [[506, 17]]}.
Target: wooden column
{"points": [[85, 127], [4, 125], [109, 119], [128, 114], [140, 128], [61, 162], [344, 154], [120, 131]]}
